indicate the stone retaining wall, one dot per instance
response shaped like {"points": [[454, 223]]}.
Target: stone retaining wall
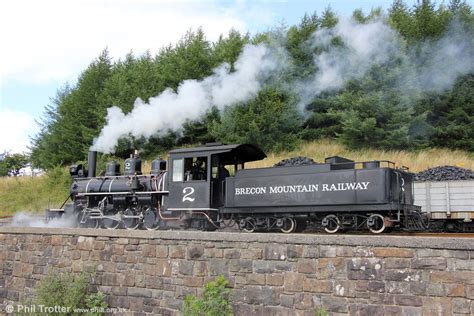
{"points": [[151, 272]]}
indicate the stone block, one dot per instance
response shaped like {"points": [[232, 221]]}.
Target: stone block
{"points": [[306, 266], [426, 252], [85, 243], [402, 275], [163, 268], [161, 251], [376, 286], [193, 281], [396, 263], [231, 254], [153, 282], [393, 252], [218, 267], [327, 251], [317, 286], [293, 282], [418, 288], [138, 292], [149, 251], [256, 279], [251, 253], [470, 291], [271, 267], [408, 300], [186, 267], [437, 306], [466, 277], [274, 252], [460, 264], [200, 268], [381, 298], [335, 304], [461, 305], [310, 251], [131, 248], [294, 251], [287, 300], [195, 251], [56, 240], [303, 301], [274, 279], [429, 263], [436, 289], [213, 253], [135, 304]]}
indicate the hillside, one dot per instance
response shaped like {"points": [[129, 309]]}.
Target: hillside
{"points": [[35, 194]]}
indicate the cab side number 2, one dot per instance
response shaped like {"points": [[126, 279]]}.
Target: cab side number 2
{"points": [[188, 191]]}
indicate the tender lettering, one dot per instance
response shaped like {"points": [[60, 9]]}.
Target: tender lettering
{"points": [[303, 188]]}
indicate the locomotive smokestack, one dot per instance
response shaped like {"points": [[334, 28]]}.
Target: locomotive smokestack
{"points": [[91, 161]]}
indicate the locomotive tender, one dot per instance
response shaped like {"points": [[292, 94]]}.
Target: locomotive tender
{"points": [[208, 188]]}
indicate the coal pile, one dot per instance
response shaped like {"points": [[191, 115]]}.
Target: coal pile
{"points": [[444, 173], [295, 161]]}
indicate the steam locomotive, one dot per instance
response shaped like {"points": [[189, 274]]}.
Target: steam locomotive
{"points": [[209, 188]]}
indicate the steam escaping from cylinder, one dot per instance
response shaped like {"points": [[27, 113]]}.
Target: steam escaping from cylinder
{"points": [[193, 98], [26, 219]]}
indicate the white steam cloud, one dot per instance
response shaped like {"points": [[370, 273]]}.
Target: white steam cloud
{"points": [[430, 66], [170, 109], [364, 45], [25, 219]]}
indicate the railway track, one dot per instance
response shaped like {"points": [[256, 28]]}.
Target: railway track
{"points": [[8, 220]]}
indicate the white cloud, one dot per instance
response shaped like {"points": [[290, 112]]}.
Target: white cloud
{"points": [[55, 39], [15, 128]]}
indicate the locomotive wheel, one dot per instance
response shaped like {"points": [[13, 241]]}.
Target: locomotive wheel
{"points": [[331, 224], [110, 223], [87, 222], [248, 225], [289, 225], [131, 223], [377, 223], [150, 220]]}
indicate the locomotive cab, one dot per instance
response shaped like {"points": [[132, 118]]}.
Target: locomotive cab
{"points": [[198, 175]]}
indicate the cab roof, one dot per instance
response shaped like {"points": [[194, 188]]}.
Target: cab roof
{"points": [[228, 153]]}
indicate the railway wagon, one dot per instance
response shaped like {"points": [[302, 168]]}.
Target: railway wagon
{"points": [[450, 204]]}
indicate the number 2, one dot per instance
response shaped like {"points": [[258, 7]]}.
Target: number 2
{"points": [[188, 191]]}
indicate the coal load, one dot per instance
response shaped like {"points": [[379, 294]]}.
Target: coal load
{"points": [[444, 173], [295, 161]]}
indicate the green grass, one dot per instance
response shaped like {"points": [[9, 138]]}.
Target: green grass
{"points": [[34, 194]]}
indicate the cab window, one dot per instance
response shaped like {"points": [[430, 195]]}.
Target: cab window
{"points": [[178, 170], [195, 169]]}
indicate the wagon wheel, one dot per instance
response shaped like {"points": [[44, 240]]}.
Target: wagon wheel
{"points": [[376, 223], [289, 225], [331, 224], [248, 225]]}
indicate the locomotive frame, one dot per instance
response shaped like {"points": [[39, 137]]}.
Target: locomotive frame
{"points": [[199, 191]]}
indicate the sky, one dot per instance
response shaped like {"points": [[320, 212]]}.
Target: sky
{"points": [[48, 43]]}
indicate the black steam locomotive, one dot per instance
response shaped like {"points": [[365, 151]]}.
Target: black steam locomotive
{"points": [[208, 188]]}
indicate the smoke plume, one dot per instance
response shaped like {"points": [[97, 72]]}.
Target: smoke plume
{"points": [[170, 109], [430, 66]]}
